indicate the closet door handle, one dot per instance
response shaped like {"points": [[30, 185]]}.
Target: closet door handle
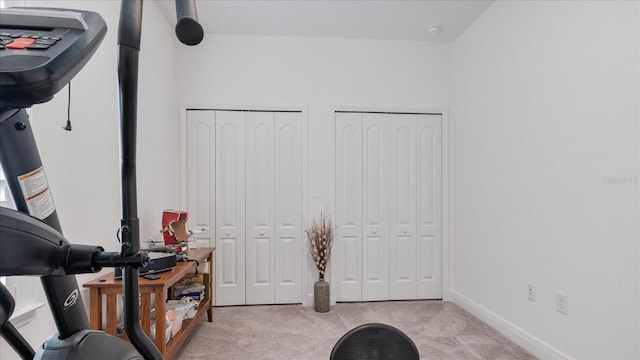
{"points": [[404, 231], [228, 233], [261, 232], [375, 231]]}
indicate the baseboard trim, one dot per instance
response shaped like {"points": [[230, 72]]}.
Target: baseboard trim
{"points": [[506, 328], [308, 300], [26, 314]]}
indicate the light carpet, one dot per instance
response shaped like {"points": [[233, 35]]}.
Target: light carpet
{"points": [[441, 330]]}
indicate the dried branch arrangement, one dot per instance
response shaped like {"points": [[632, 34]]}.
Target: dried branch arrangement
{"points": [[321, 238]]}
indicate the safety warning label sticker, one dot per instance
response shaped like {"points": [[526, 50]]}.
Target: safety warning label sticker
{"points": [[35, 189]]}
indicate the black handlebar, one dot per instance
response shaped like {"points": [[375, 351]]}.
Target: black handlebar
{"points": [[130, 27], [188, 30], [115, 259]]}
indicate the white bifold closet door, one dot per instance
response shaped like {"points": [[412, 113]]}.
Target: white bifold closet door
{"points": [[388, 213], [375, 215], [429, 207], [256, 185], [347, 252], [288, 207], [260, 209], [201, 175], [402, 173], [230, 208], [273, 207]]}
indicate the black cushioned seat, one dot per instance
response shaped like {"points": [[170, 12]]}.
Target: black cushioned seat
{"points": [[375, 342]]}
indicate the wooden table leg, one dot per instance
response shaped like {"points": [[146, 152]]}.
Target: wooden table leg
{"points": [[111, 309], [211, 287], [145, 313], [161, 298], [96, 308]]}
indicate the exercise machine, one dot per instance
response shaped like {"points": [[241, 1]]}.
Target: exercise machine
{"points": [[41, 50]]}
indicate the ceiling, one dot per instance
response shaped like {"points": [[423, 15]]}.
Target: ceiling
{"points": [[367, 19]]}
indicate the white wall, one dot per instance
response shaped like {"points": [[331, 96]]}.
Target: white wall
{"points": [[546, 108], [546, 111], [83, 166], [319, 73]]}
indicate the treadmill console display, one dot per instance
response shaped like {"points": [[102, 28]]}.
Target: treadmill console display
{"points": [[41, 50]]}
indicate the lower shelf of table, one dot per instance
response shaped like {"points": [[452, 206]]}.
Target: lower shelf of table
{"points": [[174, 344]]}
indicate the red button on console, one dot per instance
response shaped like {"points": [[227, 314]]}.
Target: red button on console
{"points": [[20, 43]]}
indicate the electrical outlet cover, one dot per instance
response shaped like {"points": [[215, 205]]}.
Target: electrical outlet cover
{"points": [[531, 292], [562, 303]]}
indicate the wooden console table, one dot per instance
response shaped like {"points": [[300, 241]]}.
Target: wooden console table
{"points": [[110, 287]]}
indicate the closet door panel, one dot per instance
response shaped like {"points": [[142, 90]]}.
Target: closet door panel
{"points": [[230, 208], [288, 207], [375, 216], [259, 208], [347, 251], [201, 175], [403, 227], [429, 209]]}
